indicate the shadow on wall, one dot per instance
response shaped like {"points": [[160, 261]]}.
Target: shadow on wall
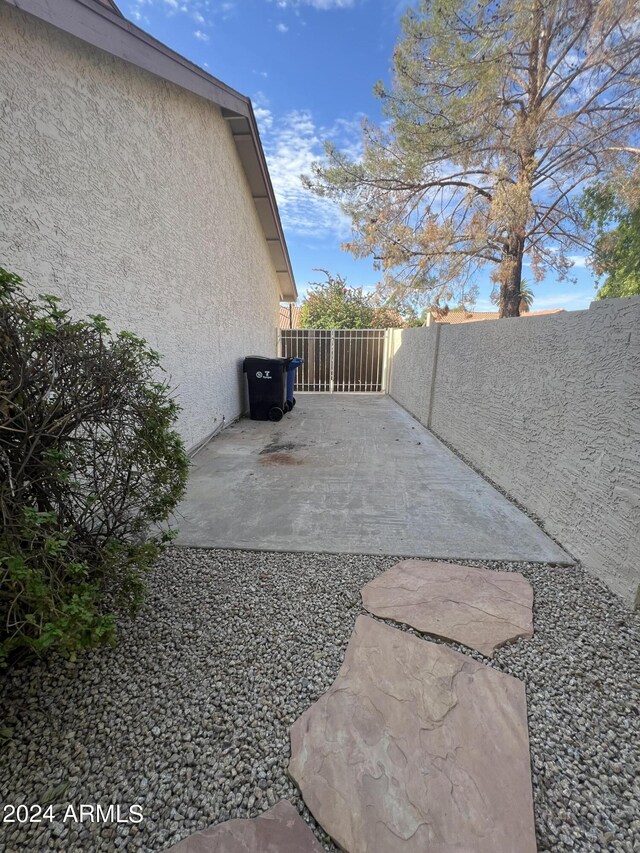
{"points": [[549, 410], [243, 392]]}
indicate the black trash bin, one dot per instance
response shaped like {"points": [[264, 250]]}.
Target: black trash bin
{"points": [[267, 381]]}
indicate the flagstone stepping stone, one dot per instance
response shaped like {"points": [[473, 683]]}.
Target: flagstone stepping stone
{"points": [[278, 830], [416, 748], [476, 607]]}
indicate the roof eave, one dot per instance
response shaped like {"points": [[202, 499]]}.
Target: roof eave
{"points": [[245, 134]]}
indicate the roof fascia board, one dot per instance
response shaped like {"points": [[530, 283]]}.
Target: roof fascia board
{"points": [[292, 296]]}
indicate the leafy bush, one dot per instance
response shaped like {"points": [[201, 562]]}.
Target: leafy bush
{"points": [[333, 305], [611, 209], [90, 467]]}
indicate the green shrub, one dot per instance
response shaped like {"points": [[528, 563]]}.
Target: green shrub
{"points": [[90, 468]]}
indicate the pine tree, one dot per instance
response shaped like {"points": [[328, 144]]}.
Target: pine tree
{"points": [[498, 112]]}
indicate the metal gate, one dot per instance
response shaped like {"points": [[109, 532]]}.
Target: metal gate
{"points": [[337, 360]]}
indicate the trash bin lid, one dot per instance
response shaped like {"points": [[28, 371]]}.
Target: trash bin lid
{"points": [[264, 359]]}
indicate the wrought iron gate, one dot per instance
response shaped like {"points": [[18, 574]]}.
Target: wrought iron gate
{"points": [[337, 360]]}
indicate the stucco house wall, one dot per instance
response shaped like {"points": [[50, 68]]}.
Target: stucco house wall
{"points": [[549, 409], [124, 194]]}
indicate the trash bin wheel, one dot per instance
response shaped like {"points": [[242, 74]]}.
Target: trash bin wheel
{"points": [[287, 407], [275, 413], [293, 402]]}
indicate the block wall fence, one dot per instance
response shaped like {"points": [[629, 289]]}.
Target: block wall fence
{"points": [[548, 408]]}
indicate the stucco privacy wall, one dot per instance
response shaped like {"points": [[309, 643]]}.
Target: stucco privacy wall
{"points": [[124, 194], [411, 369], [549, 409]]}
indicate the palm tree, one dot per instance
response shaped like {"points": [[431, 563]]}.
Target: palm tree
{"points": [[526, 297]]}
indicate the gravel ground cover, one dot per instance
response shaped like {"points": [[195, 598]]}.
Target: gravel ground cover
{"points": [[189, 716]]}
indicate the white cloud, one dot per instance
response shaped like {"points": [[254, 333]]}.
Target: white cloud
{"points": [[200, 11], [282, 28], [569, 301], [201, 36], [578, 260], [264, 119], [292, 143]]}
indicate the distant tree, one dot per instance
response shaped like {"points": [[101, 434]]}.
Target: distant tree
{"points": [[400, 311], [612, 209], [526, 297], [393, 312], [333, 305], [385, 317], [416, 321], [499, 111]]}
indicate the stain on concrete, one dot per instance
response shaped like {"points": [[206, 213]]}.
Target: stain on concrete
{"points": [[278, 448], [281, 459]]}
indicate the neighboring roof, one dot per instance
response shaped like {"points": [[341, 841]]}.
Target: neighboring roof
{"points": [[101, 24], [289, 316], [467, 317], [455, 317]]}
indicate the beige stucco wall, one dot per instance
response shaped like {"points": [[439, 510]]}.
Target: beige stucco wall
{"points": [[549, 409], [124, 195], [412, 360]]}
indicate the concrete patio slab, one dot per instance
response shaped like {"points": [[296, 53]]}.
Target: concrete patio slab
{"points": [[352, 474]]}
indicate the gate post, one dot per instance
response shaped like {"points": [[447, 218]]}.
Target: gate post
{"points": [[385, 362], [332, 346]]}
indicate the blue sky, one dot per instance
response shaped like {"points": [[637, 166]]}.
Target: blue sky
{"points": [[309, 67]]}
